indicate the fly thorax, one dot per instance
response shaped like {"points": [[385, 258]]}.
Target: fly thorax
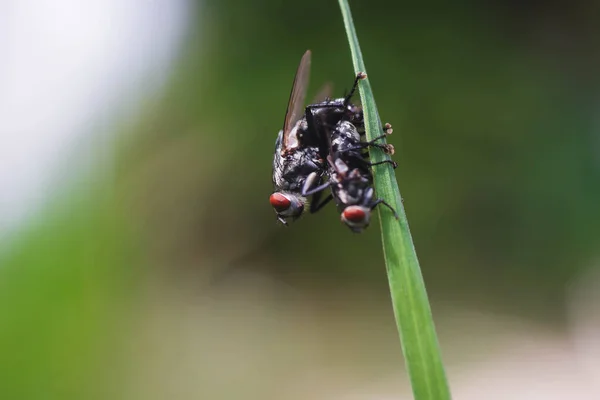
{"points": [[348, 131], [355, 190]]}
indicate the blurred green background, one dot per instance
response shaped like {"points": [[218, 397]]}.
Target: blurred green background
{"points": [[163, 274]]}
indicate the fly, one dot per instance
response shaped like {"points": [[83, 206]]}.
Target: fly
{"points": [[300, 151], [348, 168]]}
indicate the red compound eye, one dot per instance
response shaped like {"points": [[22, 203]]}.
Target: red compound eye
{"points": [[280, 202], [354, 214]]}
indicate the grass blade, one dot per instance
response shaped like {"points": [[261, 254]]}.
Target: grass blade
{"points": [[409, 297]]}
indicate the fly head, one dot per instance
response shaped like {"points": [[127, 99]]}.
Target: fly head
{"points": [[287, 206], [357, 218]]}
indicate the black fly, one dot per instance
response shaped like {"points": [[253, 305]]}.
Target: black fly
{"points": [[348, 169], [299, 152], [328, 130]]}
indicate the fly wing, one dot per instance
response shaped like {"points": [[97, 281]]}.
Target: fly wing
{"points": [[324, 93], [295, 108]]}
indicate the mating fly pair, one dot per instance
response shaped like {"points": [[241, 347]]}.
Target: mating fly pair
{"points": [[323, 140]]}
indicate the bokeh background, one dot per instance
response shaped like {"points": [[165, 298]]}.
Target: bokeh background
{"points": [[140, 259]]}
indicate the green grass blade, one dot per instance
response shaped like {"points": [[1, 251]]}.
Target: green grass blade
{"points": [[409, 297]]}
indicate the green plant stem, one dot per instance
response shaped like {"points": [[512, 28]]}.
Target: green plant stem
{"points": [[409, 297]]}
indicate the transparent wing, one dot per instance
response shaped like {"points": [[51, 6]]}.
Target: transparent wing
{"points": [[324, 93], [295, 108]]}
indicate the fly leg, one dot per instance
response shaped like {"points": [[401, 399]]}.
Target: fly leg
{"points": [[381, 201], [359, 77], [391, 162], [386, 147], [364, 158], [315, 205], [386, 128], [315, 192], [312, 191], [371, 142], [314, 208], [310, 181], [366, 162]]}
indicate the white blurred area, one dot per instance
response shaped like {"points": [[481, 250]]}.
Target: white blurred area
{"points": [[69, 70], [274, 341], [262, 339]]}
